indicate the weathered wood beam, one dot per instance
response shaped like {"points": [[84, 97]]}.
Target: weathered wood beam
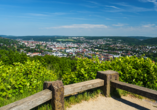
{"points": [[82, 86], [30, 102], [149, 93], [46, 95], [107, 76], [57, 89]]}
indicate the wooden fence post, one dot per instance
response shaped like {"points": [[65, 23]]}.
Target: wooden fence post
{"points": [[57, 89], [107, 76]]}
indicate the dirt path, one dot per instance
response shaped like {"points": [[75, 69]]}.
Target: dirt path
{"points": [[124, 103]]}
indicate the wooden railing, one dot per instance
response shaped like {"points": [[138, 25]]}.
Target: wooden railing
{"points": [[56, 91], [152, 94]]}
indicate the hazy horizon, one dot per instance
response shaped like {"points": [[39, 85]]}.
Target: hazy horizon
{"points": [[69, 36]]}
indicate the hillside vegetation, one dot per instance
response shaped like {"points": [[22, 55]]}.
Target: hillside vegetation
{"points": [[152, 41], [18, 77], [8, 44]]}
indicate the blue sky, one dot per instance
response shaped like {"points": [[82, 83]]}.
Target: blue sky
{"points": [[79, 17]]}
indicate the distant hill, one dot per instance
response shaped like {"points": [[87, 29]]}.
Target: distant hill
{"points": [[133, 40], [140, 37], [127, 40], [35, 38], [151, 41], [7, 44]]}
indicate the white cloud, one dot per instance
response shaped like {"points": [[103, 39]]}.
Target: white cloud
{"points": [[153, 1], [80, 26], [119, 24], [131, 8], [112, 7], [96, 3], [148, 25]]}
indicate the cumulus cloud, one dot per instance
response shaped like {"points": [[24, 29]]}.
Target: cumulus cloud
{"points": [[80, 26]]}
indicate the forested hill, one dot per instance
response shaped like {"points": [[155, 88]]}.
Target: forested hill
{"points": [[127, 40], [140, 37], [151, 41], [8, 44], [131, 40], [37, 38]]}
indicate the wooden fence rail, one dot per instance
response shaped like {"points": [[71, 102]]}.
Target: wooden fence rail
{"points": [[149, 93], [56, 91], [46, 95], [82, 86]]}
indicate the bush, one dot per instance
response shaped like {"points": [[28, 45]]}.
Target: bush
{"points": [[133, 70], [14, 79]]}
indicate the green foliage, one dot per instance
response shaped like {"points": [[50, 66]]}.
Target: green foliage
{"points": [[17, 77], [139, 71], [8, 44], [59, 65], [87, 95], [151, 41], [133, 70], [85, 70], [10, 57], [14, 79]]}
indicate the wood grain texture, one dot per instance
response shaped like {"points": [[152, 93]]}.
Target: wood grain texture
{"points": [[82, 86], [57, 89], [30, 102], [149, 93], [107, 76], [46, 95]]}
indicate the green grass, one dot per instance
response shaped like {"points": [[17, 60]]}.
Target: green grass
{"points": [[119, 92], [44, 106], [84, 96]]}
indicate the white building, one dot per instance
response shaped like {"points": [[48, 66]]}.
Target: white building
{"points": [[69, 50]]}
